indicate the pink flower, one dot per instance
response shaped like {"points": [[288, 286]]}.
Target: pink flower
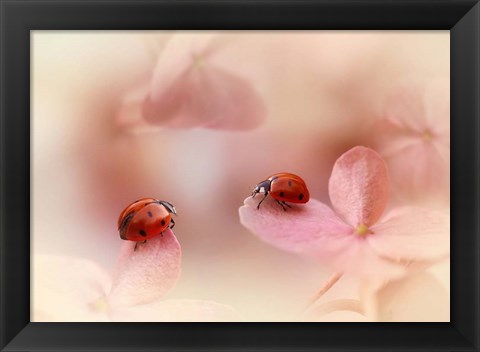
{"points": [[355, 237], [189, 88], [71, 289], [413, 137]]}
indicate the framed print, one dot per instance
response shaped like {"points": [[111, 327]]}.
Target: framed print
{"points": [[227, 175]]}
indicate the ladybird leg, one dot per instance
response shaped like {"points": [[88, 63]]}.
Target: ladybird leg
{"points": [[283, 206], [136, 245], [172, 223], [288, 205], [266, 194]]}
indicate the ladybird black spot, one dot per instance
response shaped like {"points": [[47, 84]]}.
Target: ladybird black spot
{"points": [[143, 233], [300, 196], [150, 214], [163, 222], [281, 194], [290, 183]]}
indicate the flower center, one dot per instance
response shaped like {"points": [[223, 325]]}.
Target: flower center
{"points": [[198, 60], [427, 136], [100, 305], [362, 230]]}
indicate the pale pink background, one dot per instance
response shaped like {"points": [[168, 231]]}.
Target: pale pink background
{"points": [[322, 91]]}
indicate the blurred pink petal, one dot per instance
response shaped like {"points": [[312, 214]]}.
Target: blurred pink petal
{"points": [[181, 310], [410, 233], [414, 138], [352, 254], [189, 90], [294, 230], [358, 186], [416, 298], [148, 273], [129, 117], [68, 289]]}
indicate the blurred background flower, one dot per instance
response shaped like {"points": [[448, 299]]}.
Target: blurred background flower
{"points": [[73, 289], [413, 135], [323, 91]]}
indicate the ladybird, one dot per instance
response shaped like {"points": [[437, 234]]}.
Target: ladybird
{"points": [[144, 219], [283, 187]]}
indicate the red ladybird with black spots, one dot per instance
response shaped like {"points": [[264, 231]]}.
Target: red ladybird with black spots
{"points": [[283, 187], [145, 219]]}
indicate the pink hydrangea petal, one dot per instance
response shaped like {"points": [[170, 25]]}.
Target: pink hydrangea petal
{"points": [[358, 186], [314, 230], [411, 233], [352, 254], [421, 173], [390, 140], [294, 230], [437, 105], [206, 96], [178, 310], [148, 273], [405, 106], [129, 117], [179, 54], [68, 289], [415, 298]]}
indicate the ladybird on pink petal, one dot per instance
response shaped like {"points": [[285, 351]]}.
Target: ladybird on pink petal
{"points": [[283, 187], [144, 219]]}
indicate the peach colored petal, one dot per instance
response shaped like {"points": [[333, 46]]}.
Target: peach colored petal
{"points": [[343, 310], [206, 96], [178, 310], [148, 273], [68, 289], [410, 233], [358, 186], [294, 230], [416, 298]]}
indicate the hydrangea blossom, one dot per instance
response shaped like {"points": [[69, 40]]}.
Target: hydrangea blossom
{"points": [[413, 136], [356, 236], [189, 88]]}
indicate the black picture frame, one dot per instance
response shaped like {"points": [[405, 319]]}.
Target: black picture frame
{"points": [[19, 17]]}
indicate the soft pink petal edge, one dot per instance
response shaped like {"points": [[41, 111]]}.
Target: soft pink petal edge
{"points": [[206, 96], [67, 289], [148, 273], [359, 186], [411, 233], [294, 230], [178, 56], [416, 298]]}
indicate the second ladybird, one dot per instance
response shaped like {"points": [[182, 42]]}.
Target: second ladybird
{"points": [[283, 187]]}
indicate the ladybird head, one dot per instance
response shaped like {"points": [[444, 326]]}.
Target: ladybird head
{"points": [[169, 206], [262, 187]]}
